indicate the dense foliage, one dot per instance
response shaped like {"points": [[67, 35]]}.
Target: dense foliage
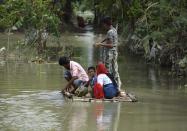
{"points": [[36, 14], [157, 29], [33, 17]]}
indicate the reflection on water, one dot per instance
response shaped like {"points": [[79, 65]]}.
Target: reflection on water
{"points": [[46, 110], [89, 41], [106, 116], [30, 98]]}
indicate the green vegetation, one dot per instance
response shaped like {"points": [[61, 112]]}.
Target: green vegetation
{"points": [[156, 29], [33, 17]]}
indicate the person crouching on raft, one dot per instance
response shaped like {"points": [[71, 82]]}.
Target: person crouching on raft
{"points": [[74, 74]]}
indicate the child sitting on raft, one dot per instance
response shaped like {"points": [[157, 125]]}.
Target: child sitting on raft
{"points": [[92, 81], [101, 84], [104, 83]]}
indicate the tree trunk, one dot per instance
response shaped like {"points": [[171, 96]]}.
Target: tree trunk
{"points": [[68, 11], [97, 14], [41, 41], [38, 37]]}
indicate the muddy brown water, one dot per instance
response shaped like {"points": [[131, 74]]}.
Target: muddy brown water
{"points": [[30, 98]]}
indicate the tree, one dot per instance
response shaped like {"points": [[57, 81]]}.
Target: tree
{"points": [[33, 16]]}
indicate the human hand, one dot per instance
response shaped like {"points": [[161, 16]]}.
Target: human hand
{"points": [[90, 89], [98, 44], [63, 91]]}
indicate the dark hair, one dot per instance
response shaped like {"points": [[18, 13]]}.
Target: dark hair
{"points": [[91, 68], [63, 60], [107, 20]]}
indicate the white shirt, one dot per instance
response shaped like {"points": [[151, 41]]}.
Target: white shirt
{"points": [[103, 79]]}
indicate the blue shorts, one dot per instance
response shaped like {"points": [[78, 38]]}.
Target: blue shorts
{"points": [[110, 91], [77, 82]]}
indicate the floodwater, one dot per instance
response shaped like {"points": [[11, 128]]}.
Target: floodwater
{"points": [[30, 98]]}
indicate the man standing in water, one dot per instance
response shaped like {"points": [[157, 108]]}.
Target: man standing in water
{"points": [[109, 53]]}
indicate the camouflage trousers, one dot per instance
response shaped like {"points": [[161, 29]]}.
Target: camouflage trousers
{"points": [[109, 58]]}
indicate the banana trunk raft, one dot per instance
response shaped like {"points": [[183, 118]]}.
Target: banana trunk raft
{"points": [[129, 97]]}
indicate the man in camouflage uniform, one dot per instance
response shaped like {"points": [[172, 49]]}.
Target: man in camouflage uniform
{"points": [[109, 52]]}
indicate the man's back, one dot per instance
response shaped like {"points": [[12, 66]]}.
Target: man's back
{"points": [[77, 70]]}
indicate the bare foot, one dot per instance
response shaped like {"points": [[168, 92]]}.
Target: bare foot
{"points": [[122, 94]]}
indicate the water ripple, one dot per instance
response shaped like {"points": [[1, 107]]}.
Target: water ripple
{"points": [[31, 111]]}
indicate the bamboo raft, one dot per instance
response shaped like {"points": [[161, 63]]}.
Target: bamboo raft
{"points": [[128, 98]]}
